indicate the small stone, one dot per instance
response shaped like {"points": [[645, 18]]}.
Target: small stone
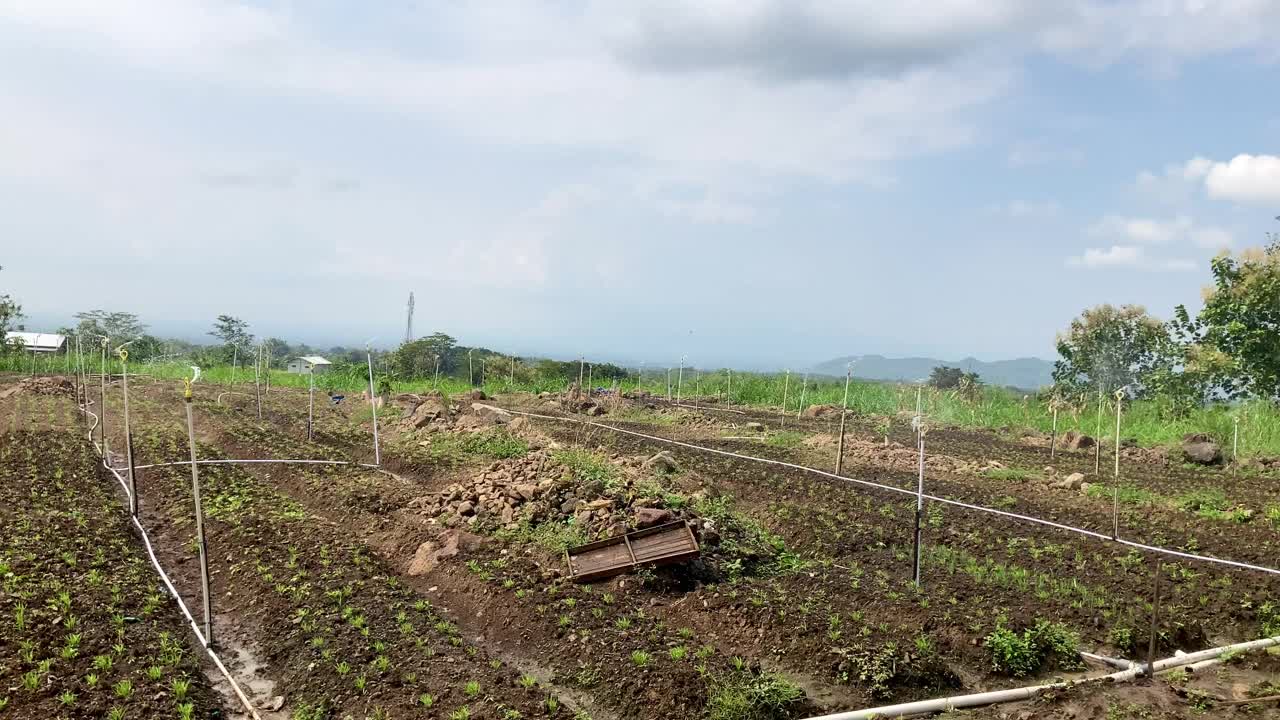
{"points": [[466, 507]]}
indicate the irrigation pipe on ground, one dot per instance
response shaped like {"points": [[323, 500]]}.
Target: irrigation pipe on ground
{"points": [[146, 541], [912, 493], [1025, 693]]}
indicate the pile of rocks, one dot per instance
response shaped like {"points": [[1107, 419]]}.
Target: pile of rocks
{"points": [[537, 489], [432, 412]]}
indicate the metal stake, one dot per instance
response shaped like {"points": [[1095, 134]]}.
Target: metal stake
{"points": [[435, 383], [1235, 445], [1053, 437], [728, 393], [843, 414], [1155, 620], [919, 508], [102, 398], [128, 435], [804, 387], [311, 401], [203, 545], [680, 380], [1115, 496], [786, 383], [373, 405], [257, 379]]}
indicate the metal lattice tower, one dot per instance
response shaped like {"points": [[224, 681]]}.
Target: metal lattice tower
{"points": [[408, 328]]}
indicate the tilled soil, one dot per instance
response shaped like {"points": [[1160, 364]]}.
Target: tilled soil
{"points": [[846, 623], [88, 629]]}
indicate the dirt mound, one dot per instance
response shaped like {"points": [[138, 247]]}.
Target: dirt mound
{"points": [[53, 386], [817, 411]]}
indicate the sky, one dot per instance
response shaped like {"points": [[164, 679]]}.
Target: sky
{"points": [[756, 183]]}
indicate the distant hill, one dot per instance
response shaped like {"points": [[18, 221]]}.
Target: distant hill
{"points": [[1025, 373]]}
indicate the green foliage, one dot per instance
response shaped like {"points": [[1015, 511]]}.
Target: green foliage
{"points": [[746, 695], [1241, 321], [498, 444], [943, 377], [785, 439], [746, 548], [1110, 347], [587, 466], [1020, 655]]}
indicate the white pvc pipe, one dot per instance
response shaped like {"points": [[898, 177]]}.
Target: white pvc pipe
{"points": [[1023, 693], [173, 592]]}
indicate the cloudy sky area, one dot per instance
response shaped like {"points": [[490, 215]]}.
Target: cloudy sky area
{"points": [[746, 181]]}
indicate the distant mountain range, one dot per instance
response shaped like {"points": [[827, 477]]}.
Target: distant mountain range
{"points": [[1024, 373]]}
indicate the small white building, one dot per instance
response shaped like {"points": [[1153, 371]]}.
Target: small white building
{"points": [[37, 342], [309, 364]]}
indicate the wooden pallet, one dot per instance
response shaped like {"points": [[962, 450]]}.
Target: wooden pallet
{"points": [[660, 545]]}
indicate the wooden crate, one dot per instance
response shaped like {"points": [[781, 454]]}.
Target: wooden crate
{"points": [[660, 545]]}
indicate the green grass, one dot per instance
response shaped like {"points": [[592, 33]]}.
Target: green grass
{"points": [[1010, 474], [785, 439], [1146, 421]]}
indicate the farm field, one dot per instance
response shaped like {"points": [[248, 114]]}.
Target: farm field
{"points": [[435, 585]]}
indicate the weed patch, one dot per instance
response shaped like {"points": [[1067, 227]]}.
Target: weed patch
{"points": [[1046, 644], [747, 695]]}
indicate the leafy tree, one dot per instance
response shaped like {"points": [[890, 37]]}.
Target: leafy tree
{"points": [[119, 326], [231, 330], [947, 378], [10, 313], [1110, 347], [1239, 327], [418, 358]]}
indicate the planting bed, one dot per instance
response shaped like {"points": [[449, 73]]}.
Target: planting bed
{"points": [[87, 627], [801, 603]]}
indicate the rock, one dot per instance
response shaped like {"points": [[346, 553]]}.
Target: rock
{"points": [[466, 507], [755, 427], [662, 462], [526, 492], [1073, 440], [599, 504], [427, 412], [816, 411], [274, 704], [648, 517], [476, 395], [490, 413], [518, 424], [1084, 488], [569, 505], [431, 553], [1197, 449], [1074, 481], [595, 410]]}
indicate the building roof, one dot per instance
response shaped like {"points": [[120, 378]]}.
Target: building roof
{"points": [[314, 360], [37, 341]]}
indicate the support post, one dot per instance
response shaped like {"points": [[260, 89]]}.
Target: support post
{"points": [[203, 545], [1235, 445], [1155, 621], [373, 405], [804, 387], [435, 383], [1053, 436], [728, 393], [1115, 494], [786, 383], [311, 402], [102, 400], [697, 387], [128, 435], [1097, 445], [680, 380], [582, 366], [844, 412], [471, 370], [257, 379], [668, 384], [919, 509], [511, 381]]}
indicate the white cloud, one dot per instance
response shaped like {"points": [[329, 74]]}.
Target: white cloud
{"points": [[1114, 256], [1145, 231], [1128, 256], [1251, 179], [1247, 179]]}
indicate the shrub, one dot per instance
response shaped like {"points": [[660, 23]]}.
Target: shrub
{"points": [[1019, 655], [751, 696]]}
